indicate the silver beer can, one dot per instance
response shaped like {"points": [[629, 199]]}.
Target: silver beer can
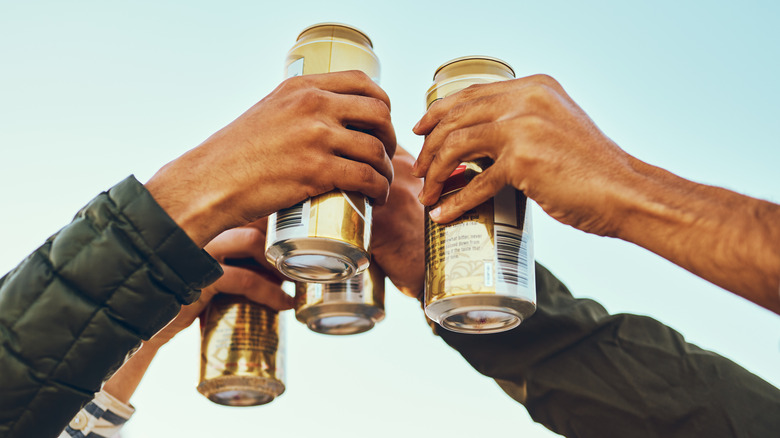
{"points": [[344, 308]]}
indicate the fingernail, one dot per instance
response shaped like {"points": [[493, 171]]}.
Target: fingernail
{"points": [[435, 213], [414, 169], [416, 126], [420, 196]]}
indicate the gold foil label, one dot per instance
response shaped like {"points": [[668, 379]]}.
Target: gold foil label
{"points": [[240, 338], [335, 217]]}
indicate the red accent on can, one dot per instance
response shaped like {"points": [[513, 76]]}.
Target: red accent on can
{"points": [[456, 181]]}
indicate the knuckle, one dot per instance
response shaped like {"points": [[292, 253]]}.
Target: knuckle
{"points": [[544, 79], [311, 178], [316, 187], [445, 155], [366, 174], [532, 126], [357, 76], [454, 139], [290, 84], [377, 148], [454, 114], [540, 96], [313, 99], [471, 91], [382, 110], [358, 79], [315, 132]]}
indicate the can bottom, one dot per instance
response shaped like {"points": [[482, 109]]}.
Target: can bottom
{"points": [[340, 318], [480, 313], [241, 390], [317, 259]]}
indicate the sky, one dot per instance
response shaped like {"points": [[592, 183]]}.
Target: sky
{"points": [[93, 91]]}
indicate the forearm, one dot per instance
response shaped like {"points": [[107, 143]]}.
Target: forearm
{"points": [[195, 202], [582, 372], [73, 309], [125, 381], [726, 238]]}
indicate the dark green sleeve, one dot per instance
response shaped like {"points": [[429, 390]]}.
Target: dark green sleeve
{"points": [[584, 373], [72, 310]]}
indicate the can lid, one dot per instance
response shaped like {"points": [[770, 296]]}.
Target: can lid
{"points": [[345, 26], [474, 58]]}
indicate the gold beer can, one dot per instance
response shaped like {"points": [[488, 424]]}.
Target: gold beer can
{"points": [[479, 275], [344, 308], [242, 352], [325, 239]]}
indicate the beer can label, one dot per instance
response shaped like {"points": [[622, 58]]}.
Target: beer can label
{"points": [[292, 222], [486, 250], [350, 290], [512, 228]]}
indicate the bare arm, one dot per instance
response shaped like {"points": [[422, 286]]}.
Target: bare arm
{"points": [[545, 145], [724, 237]]}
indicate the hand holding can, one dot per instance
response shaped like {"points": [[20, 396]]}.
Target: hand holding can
{"points": [[542, 143], [290, 146], [325, 238], [479, 275]]}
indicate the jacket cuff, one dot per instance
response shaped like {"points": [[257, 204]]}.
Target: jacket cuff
{"points": [[171, 244]]}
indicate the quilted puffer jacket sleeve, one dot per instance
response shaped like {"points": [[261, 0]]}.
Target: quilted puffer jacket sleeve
{"points": [[73, 309], [582, 372]]}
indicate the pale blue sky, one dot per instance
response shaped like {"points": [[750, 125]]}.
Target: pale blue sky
{"points": [[92, 91]]}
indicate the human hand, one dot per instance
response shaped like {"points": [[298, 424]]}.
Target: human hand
{"points": [[541, 142], [252, 276], [311, 135], [397, 242]]}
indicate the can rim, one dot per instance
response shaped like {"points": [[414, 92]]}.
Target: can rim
{"points": [[474, 57], [333, 23]]}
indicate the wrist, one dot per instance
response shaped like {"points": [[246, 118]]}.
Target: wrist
{"points": [[196, 207], [648, 204]]}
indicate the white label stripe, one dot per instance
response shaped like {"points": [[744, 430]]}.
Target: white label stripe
{"points": [[354, 207]]}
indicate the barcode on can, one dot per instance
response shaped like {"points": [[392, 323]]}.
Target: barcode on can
{"points": [[352, 286], [512, 256], [290, 217]]}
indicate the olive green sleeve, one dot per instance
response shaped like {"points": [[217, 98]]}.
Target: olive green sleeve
{"points": [[72, 310], [582, 372]]}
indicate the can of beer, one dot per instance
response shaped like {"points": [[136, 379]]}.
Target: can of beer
{"points": [[242, 352], [479, 275], [325, 239], [345, 308]]}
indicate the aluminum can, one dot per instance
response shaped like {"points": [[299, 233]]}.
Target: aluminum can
{"points": [[242, 352], [344, 308], [325, 239], [479, 275]]}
